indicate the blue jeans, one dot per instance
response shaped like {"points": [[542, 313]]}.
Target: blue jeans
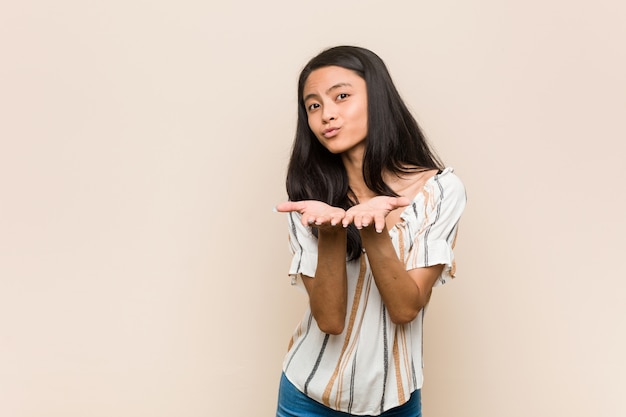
{"points": [[293, 403]]}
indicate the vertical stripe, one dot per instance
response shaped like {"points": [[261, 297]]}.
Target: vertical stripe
{"points": [[454, 232], [341, 364], [436, 178], [399, 329], [295, 336], [352, 348], [353, 373], [427, 201], [396, 363], [422, 335], [406, 353], [368, 288], [401, 245], [408, 224], [294, 230], [308, 328], [317, 364], [385, 358]]}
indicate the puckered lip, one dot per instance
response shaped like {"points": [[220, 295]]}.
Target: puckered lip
{"points": [[330, 131]]}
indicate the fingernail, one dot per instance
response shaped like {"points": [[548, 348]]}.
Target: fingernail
{"points": [[274, 209]]}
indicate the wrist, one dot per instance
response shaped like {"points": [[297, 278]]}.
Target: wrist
{"points": [[372, 240], [337, 230], [370, 232]]}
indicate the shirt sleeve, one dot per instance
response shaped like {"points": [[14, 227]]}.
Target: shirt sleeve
{"points": [[303, 246], [434, 241]]}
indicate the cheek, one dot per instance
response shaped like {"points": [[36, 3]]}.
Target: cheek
{"points": [[361, 117], [314, 128]]}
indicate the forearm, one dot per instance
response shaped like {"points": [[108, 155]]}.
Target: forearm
{"points": [[328, 290], [400, 293]]}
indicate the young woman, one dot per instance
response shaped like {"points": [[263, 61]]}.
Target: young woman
{"points": [[373, 217]]}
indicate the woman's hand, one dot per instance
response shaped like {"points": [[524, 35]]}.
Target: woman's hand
{"points": [[373, 211], [317, 213]]}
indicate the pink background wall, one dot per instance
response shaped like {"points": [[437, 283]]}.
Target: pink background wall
{"points": [[143, 145]]}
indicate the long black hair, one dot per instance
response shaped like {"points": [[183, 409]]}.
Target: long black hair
{"points": [[394, 141]]}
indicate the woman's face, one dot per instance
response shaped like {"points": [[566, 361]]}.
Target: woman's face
{"points": [[335, 99]]}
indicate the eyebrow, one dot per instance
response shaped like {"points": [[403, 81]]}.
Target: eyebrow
{"points": [[334, 87]]}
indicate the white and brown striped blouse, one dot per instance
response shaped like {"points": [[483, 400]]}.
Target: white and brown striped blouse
{"points": [[374, 365]]}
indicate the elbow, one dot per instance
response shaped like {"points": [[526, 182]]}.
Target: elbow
{"points": [[405, 314], [404, 317], [333, 327], [334, 330]]}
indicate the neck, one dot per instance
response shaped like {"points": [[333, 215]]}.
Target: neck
{"points": [[354, 169]]}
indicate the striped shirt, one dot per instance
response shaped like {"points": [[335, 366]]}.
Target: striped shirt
{"points": [[374, 364]]}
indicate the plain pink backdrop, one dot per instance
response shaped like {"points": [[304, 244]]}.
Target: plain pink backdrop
{"points": [[144, 144]]}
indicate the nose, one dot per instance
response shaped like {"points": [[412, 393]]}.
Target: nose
{"points": [[329, 113]]}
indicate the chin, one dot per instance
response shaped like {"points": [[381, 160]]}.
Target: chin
{"points": [[335, 151]]}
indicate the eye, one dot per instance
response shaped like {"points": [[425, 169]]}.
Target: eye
{"points": [[343, 96], [312, 107]]}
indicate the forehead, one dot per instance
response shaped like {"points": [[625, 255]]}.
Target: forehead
{"points": [[324, 78]]}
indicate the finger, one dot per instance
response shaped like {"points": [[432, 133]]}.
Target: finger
{"points": [[379, 223], [339, 217], [288, 206], [320, 220], [366, 219], [400, 202], [336, 219], [307, 220], [347, 219], [358, 221]]}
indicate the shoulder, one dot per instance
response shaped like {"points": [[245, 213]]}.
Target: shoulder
{"points": [[448, 184], [445, 192]]}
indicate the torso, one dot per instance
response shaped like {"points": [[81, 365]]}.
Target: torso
{"points": [[374, 365]]}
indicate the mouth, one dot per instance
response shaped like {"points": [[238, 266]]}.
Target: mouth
{"points": [[330, 132]]}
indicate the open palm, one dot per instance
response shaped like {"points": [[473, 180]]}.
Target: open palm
{"points": [[314, 212], [374, 211]]}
